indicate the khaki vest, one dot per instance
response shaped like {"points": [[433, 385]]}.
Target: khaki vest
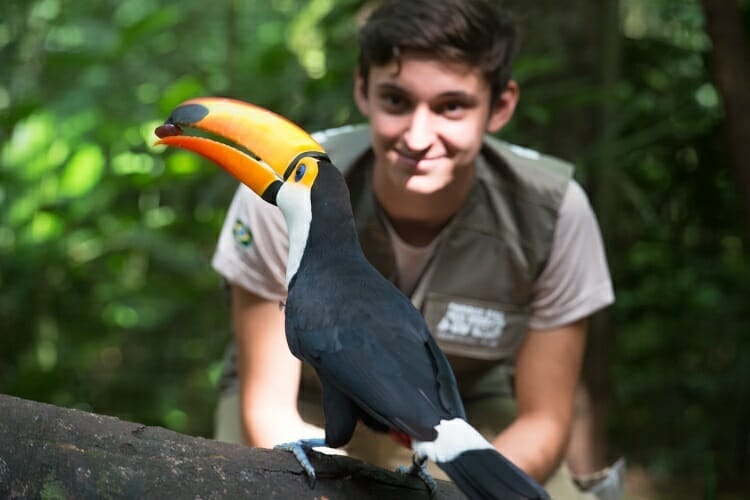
{"points": [[475, 293]]}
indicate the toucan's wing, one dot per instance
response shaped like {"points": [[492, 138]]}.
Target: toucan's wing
{"points": [[375, 348]]}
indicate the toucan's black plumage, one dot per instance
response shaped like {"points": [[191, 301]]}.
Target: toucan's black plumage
{"points": [[373, 351], [374, 355], [360, 333]]}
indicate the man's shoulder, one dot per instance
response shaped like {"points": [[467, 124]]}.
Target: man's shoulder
{"points": [[527, 158], [523, 175], [331, 135], [345, 145]]}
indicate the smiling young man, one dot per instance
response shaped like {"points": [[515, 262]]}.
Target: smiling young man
{"points": [[428, 119], [496, 245]]}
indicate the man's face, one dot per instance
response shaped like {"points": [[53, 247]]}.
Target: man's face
{"points": [[428, 118]]}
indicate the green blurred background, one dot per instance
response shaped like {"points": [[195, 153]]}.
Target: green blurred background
{"points": [[108, 303]]}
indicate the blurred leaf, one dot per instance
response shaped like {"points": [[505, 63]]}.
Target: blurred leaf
{"points": [[83, 172]]}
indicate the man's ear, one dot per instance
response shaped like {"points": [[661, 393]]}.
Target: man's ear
{"points": [[504, 107], [360, 93]]}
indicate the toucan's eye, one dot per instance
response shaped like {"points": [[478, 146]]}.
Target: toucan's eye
{"points": [[299, 173]]}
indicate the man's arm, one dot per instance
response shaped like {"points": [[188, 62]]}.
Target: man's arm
{"points": [[268, 373], [548, 365]]}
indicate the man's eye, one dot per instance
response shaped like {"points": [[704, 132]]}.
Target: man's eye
{"points": [[453, 109], [394, 99], [393, 102]]}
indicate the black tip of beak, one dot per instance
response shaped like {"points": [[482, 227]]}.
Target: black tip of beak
{"points": [[167, 130], [185, 115], [188, 114]]}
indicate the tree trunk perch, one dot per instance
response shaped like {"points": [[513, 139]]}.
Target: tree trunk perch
{"points": [[52, 452]]}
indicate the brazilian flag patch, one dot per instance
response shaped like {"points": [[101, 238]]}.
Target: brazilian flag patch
{"points": [[242, 233]]}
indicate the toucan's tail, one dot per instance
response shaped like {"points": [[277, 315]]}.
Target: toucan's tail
{"points": [[487, 474], [476, 467]]}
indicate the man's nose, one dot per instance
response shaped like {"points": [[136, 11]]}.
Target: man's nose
{"points": [[421, 132]]}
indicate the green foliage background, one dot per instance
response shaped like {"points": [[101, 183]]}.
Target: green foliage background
{"points": [[108, 302]]}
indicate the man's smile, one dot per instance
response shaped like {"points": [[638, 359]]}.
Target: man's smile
{"points": [[417, 162]]}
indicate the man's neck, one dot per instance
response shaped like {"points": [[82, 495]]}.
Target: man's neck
{"points": [[418, 218]]}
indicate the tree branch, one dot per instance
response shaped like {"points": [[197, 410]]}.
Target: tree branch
{"points": [[47, 451]]}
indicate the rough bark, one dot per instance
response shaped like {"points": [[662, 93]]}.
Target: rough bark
{"points": [[52, 452], [731, 70]]}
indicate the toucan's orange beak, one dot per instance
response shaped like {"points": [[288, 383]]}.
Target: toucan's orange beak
{"points": [[255, 145]]}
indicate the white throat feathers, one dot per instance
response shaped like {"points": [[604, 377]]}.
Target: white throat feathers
{"points": [[294, 202]]}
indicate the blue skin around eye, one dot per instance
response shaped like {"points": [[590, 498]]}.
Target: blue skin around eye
{"points": [[300, 172]]}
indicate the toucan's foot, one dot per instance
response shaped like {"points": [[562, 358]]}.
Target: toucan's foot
{"points": [[419, 468], [300, 448]]}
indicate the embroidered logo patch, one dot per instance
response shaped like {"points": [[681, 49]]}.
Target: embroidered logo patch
{"points": [[242, 233], [471, 324]]}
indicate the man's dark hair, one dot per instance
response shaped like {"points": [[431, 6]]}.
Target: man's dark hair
{"points": [[474, 32]]}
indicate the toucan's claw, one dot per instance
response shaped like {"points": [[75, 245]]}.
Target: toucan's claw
{"points": [[418, 468], [298, 449]]}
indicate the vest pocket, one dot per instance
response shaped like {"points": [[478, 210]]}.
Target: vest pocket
{"points": [[475, 328]]}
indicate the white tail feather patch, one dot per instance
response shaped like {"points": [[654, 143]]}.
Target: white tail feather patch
{"points": [[454, 437]]}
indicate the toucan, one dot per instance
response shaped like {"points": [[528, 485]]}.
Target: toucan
{"points": [[372, 350]]}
